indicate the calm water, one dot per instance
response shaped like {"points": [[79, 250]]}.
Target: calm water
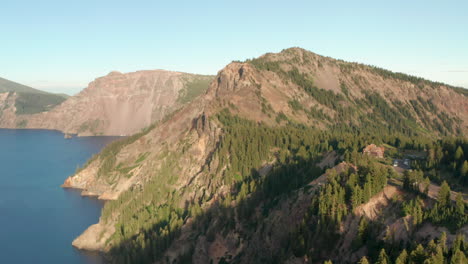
{"points": [[38, 219]]}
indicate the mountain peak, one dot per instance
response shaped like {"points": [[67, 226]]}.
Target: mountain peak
{"points": [[307, 88], [113, 73]]}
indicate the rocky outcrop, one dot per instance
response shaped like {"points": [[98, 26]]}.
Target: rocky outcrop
{"points": [[117, 104], [88, 240], [201, 136]]}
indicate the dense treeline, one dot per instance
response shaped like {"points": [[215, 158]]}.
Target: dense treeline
{"points": [[149, 217], [319, 232], [445, 212], [447, 156], [31, 103], [342, 193], [435, 252]]}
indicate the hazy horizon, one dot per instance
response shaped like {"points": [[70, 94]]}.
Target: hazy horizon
{"points": [[61, 47]]}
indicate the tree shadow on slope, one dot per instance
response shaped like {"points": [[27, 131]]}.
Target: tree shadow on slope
{"points": [[242, 210]]}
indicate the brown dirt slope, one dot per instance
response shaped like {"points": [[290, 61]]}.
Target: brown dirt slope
{"points": [[116, 104]]}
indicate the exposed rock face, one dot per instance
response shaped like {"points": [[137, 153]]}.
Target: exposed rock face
{"points": [[88, 241], [201, 137], [7, 108], [116, 104]]}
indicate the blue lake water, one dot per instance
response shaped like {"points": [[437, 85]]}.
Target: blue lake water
{"points": [[38, 219]]}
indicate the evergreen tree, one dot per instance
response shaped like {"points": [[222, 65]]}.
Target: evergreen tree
{"points": [[458, 153], [438, 256], [464, 171], [402, 258], [431, 247], [443, 241], [458, 257], [460, 204], [418, 255], [383, 257], [362, 230], [443, 197], [459, 242], [363, 260]]}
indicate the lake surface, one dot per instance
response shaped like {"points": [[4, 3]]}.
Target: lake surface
{"points": [[38, 219]]}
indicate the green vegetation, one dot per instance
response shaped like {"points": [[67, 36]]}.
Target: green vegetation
{"points": [[31, 103], [90, 125], [295, 105], [318, 232], [460, 90], [324, 97], [341, 194], [348, 67], [108, 154], [30, 100], [397, 117], [447, 160], [443, 213], [193, 87], [446, 213], [265, 65], [281, 117], [22, 124], [150, 219], [142, 157], [344, 89], [433, 252]]}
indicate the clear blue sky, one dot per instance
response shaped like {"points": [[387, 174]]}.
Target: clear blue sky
{"points": [[61, 46]]}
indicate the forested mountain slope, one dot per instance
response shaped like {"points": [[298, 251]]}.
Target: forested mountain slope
{"points": [[220, 179], [116, 104], [25, 100]]}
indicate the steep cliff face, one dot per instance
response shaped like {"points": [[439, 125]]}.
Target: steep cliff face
{"points": [[116, 104], [170, 157], [175, 182], [7, 106]]}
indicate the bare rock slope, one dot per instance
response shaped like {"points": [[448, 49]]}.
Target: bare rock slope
{"points": [[116, 104]]}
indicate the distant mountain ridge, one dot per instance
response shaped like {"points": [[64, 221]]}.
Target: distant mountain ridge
{"points": [[10, 86], [25, 100]]}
